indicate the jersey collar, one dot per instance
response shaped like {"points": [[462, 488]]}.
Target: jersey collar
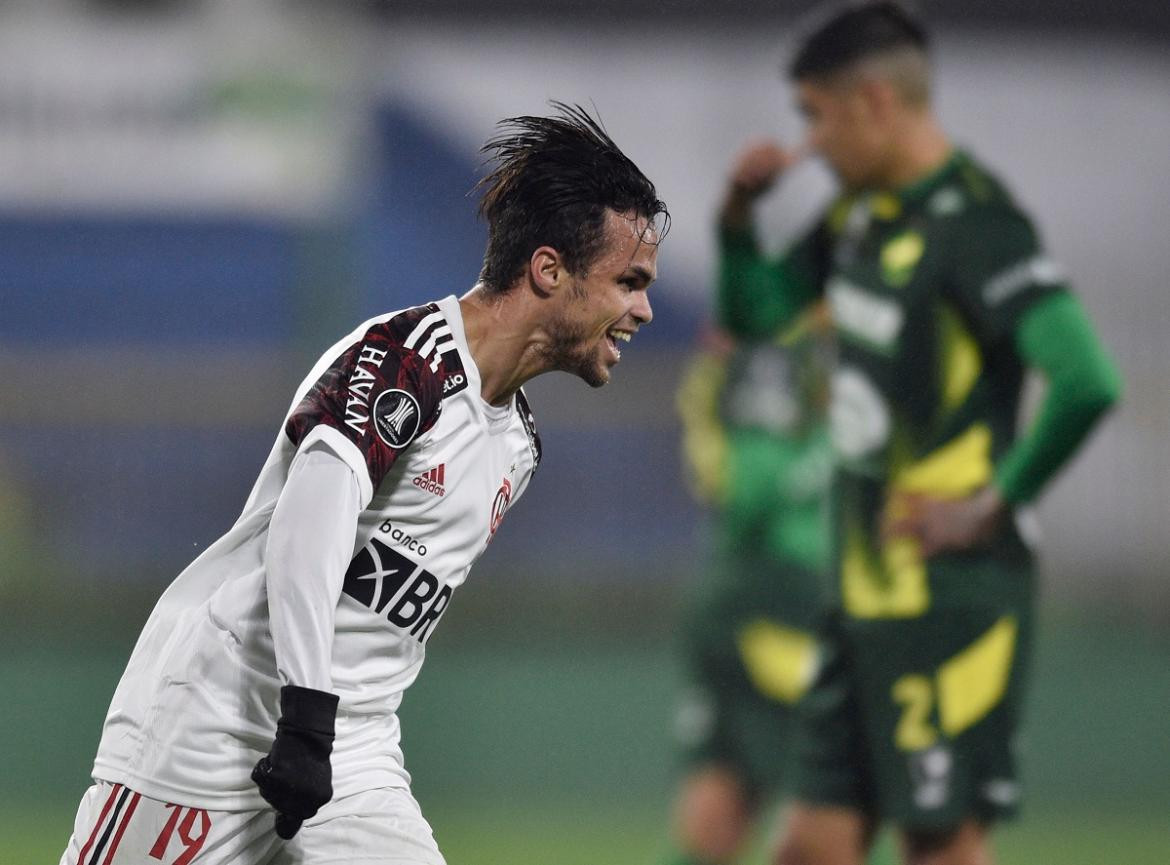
{"points": [[924, 186], [888, 205]]}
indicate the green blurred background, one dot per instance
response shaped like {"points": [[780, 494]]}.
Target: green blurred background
{"points": [[197, 198]]}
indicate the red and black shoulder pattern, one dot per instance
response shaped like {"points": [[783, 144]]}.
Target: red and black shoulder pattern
{"points": [[386, 389]]}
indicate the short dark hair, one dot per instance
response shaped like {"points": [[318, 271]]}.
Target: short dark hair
{"points": [[855, 32], [552, 181]]}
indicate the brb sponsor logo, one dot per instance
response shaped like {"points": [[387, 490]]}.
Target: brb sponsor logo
{"points": [[393, 586]]}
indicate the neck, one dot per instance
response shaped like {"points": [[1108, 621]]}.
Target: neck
{"points": [[922, 148], [503, 337]]}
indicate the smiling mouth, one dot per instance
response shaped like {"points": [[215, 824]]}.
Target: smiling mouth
{"points": [[613, 337]]}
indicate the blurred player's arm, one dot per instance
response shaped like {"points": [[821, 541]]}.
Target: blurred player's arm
{"points": [[757, 295], [1056, 339], [1019, 302]]}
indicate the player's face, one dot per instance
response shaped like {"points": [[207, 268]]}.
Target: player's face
{"points": [[603, 309], [844, 129]]}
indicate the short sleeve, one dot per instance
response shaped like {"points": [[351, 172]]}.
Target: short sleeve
{"points": [[999, 269], [378, 395]]}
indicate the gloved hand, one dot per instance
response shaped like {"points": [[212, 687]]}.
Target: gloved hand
{"points": [[296, 778]]}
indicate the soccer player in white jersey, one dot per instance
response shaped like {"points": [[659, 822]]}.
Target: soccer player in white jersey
{"points": [[262, 693]]}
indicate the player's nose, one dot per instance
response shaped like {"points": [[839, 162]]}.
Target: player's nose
{"points": [[641, 309]]}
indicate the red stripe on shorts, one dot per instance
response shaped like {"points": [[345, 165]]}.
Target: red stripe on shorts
{"points": [[93, 835], [122, 828]]}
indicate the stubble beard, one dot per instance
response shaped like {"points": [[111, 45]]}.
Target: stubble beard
{"points": [[569, 352]]}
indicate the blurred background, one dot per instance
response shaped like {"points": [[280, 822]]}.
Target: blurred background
{"points": [[197, 198]]}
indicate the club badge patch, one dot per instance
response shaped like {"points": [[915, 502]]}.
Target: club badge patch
{"points": [[396, 417], [500, 506], [900, 256]]}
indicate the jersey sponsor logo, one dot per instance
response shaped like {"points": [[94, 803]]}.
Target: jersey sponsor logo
{"points": [[432, 339], [396, 417], [391, 585], [876, 321], [900, 256], [361, 382], [859, 418], [432, 480], [402, 538], [1038, 270]]}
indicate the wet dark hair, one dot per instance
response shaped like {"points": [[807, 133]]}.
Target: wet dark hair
{"points": [[552, 181], [846, 34]]}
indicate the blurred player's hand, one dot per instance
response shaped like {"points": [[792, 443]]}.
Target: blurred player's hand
{"points": [[945, 524], [754, 171], [760, 164], [296, 777]]}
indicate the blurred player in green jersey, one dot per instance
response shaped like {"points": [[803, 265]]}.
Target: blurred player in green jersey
{"points": [[757, 449], [941, 299]]}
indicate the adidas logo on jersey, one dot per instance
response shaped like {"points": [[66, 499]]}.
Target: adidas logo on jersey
{"points": [[432, 480]]}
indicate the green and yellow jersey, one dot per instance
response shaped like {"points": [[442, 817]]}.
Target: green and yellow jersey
{"points": [[933, 291], [756, 444], [756, 447]]}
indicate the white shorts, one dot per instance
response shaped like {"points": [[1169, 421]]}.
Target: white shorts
{"points": [[116, 826]]}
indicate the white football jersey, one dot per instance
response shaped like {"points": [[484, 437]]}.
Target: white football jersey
{"points": [[399, 401]]}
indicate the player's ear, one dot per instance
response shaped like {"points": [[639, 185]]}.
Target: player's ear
{"points": [[546, 271]]}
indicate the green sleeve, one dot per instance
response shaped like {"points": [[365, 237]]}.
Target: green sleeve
{"points": [[758, 295], [1055, 338]]}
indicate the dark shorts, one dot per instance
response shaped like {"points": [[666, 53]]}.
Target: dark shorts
{"points": [[750, 655], [913, 721]]}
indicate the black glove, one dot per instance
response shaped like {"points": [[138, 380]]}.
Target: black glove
{"points": [[296, 778]]}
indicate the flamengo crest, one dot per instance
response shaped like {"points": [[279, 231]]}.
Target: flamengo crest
{"points": [[500, 506]]}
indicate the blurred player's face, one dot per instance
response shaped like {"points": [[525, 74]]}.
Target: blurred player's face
{"points": [[603, 308], [846, 126]]}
